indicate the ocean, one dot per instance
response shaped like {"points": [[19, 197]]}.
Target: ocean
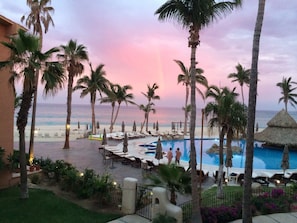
{"points": [[55, 115]]}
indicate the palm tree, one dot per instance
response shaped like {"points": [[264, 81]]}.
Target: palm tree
{"points": [[242, 76], [25, 60], [194, 15], [226, 118], [150, 95], [247, 189], [146, 109], [116, 95], [173, 178], [185, 79], [90, 85], [287, 92], [73, 56], [39, 16]]}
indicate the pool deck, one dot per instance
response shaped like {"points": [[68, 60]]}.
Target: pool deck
{"points": [[138, 151]]}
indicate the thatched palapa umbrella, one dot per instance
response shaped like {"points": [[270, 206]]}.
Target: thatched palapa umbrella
{"points": [[281, 130], [159, 152]]}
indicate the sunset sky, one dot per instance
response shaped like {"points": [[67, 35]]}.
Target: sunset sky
{"points": [[137, 49]]}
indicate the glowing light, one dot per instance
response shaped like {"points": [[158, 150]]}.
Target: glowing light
{"points": [[81, 174]]}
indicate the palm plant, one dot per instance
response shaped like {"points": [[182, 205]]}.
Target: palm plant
{"points": [[150, 95], [39, 16], [117, 94], [226, 114], [246, 207], [242, 76], [146, 109], [73, 56], [195, 15], [287, 92], [185, 79], [173, 178], [91, 85], [25, 60]]}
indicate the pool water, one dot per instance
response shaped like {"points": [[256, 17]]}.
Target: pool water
{"points": [[264, 158]]}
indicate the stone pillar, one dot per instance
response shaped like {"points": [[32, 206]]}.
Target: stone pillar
{"points": [[161, 205], [129, 195]]}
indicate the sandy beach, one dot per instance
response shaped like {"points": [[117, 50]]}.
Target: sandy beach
{"points": [[56, 133]]}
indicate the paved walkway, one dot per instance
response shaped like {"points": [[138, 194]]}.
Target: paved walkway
{"points": [[131, 219], [274, 218]]}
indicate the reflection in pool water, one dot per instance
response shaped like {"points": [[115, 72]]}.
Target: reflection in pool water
{"points": [[264, 158]]}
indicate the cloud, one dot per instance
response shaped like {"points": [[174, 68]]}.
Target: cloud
{"points": [[137, 49]]}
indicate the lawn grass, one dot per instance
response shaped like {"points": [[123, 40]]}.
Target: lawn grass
{"points": [[232, 195], [45, 207]]}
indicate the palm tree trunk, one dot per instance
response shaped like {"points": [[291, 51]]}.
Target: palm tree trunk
{"points": [[147, 118], [69, 101], [220, 193], [21, 124], [93, 117], [116, 115], [112, 114], [33, 120], [196, 214], [242, 95], [186, 110], [247, 193]]}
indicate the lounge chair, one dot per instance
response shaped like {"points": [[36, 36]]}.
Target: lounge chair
{"points": [[136, 163], [237, 178], [216, 174], [202, 175], [151, 165], [291, 177], [261, 180], [279, 179]]}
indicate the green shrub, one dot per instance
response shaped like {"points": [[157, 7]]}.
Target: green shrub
{"points": [[85, 186], [35, 179], [103, 188], [69, 179]]}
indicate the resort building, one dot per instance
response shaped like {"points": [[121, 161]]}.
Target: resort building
{"points": [[7, 28]]}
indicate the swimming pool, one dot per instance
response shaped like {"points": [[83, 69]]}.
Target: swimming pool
{"points": [[264, 158]]}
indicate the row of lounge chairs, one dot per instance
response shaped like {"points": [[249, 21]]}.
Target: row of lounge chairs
{"points": [[264, 178]]}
